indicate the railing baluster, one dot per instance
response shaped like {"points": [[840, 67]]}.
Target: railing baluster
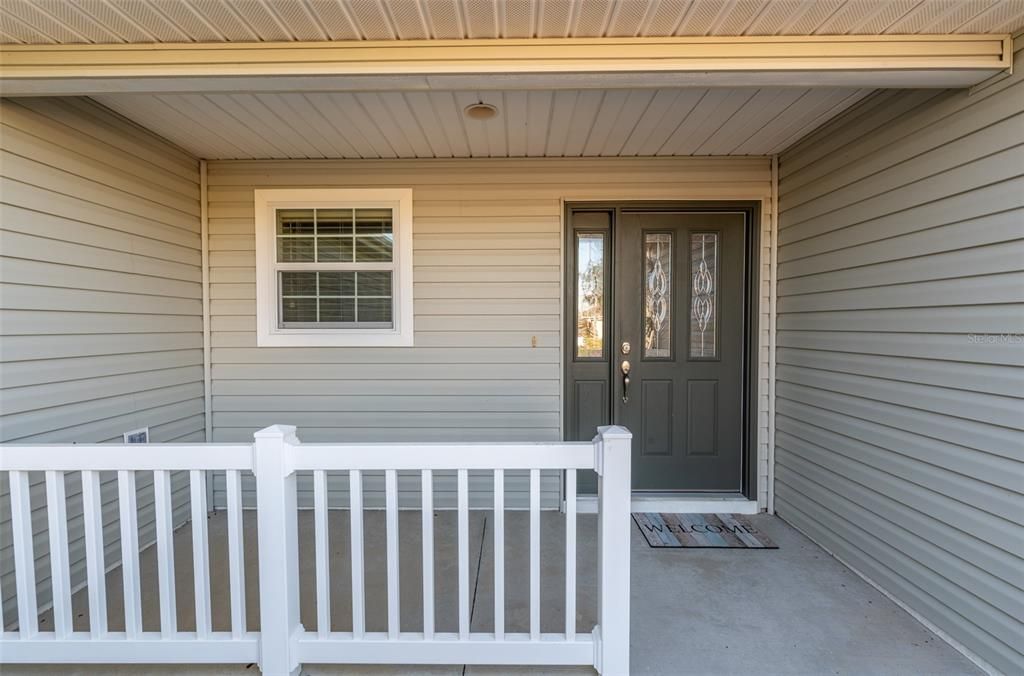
{"points": [[92, 508], [165, 552], [534, 555], [236, 552], [391, 504], [200, 553], [570, 555], [24, 559], [355, 483], [463, 503], [60, 570], [427, 490], [126, 498], [499, 554], [323, 584]]}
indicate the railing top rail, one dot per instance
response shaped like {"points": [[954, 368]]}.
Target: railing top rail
{"points": [[109, 457], [443, 456]]}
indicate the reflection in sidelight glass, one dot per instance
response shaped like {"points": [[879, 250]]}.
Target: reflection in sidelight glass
{"points": [[658, 295], [704, 303], [590, 295]]}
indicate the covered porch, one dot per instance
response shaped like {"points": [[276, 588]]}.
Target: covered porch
{"points": [[542, 204], [698, 611]]}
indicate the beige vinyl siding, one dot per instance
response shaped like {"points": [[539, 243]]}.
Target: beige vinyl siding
{"points": [[487, 265], [900, 442], [100, 302]]}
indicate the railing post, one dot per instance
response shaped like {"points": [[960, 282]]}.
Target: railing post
{"points": [[612, 462], [277, 523]]}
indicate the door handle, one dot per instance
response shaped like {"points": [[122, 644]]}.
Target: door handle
{"points": [[625, 381]]}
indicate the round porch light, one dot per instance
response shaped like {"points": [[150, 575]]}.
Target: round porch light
{"points": [[481, 111]]}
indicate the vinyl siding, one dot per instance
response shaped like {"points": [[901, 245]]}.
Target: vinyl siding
{"points": [[100, 302], [900, 376], [487, 262]]}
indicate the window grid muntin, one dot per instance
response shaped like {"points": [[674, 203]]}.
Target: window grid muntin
{"points": [[351, 235], [317, 266]]}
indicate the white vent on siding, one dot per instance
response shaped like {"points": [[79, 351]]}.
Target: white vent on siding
{"points": [[139, 436]]}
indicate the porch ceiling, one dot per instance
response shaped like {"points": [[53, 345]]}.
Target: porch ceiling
{"points": [[142, 21], [539, 123]]}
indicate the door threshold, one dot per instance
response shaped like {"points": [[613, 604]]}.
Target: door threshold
{"points": [[693, 503]]}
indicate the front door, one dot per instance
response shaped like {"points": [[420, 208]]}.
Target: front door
{"points": [[659, 340]]}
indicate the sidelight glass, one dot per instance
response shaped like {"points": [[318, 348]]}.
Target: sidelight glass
{"points": [[658, 294], [590, 295], [704, 295]]}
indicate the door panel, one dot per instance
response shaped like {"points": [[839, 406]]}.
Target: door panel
{"points": [[663, 289], [678, 297]]}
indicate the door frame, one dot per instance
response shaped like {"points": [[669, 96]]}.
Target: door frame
{"points": [[751, 309]]}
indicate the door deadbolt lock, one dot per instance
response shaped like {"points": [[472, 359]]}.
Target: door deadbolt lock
{"points": [[625, 348]]}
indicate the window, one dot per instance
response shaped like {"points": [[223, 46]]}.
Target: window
{"points": [[704, 296], [590, 272], [658, 295], [334, 267]]}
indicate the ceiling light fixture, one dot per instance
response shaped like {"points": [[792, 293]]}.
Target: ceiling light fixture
{"points": [[481, 111]]}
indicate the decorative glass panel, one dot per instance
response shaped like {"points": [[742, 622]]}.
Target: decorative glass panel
{"points": [[590, 295], [337, 297], [658, 295], [704, 294]]}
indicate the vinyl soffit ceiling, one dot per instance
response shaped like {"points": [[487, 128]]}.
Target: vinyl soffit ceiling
{"points": [[636, 114], [563, 123], [149, 21]]}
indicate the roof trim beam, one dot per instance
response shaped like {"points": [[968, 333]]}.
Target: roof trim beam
{"points": [[861, 61]]}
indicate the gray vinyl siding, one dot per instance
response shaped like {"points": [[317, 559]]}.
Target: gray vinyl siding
{"points": [[100, 303], [900, 363], [487, 268]]}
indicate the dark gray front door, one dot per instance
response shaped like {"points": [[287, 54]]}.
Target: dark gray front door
{"points": [[678, 365], [658, 342]]}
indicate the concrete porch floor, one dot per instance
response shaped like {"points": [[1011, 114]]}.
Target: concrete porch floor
{"points": [[794, 610]]}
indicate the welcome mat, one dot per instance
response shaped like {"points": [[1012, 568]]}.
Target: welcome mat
{"points": [[700, 530]]}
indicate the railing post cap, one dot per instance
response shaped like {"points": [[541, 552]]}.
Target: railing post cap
{"points": [[614, 432], [275, 432]]}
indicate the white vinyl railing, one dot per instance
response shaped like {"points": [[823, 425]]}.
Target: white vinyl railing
{"points": [[282, 644]]}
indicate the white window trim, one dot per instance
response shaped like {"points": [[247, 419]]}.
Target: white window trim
{"points": [[268, 331]]}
